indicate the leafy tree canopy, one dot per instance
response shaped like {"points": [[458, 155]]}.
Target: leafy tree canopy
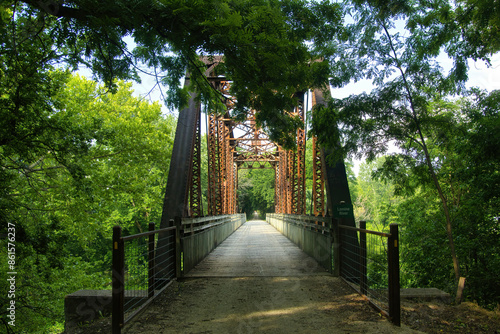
{"points": [[97, 160], [263, 43], [396, 44]]}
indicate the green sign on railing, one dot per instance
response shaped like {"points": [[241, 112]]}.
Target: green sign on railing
{"points": [[343, 211]]}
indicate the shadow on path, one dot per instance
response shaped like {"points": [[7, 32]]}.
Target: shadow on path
{"points": [[306, 304], [258, 281]]}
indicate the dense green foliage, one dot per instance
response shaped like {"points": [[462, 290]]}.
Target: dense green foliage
{"points": [[396, 44], [256, 192], [465, 143], [104, 161], [76, 159], [263, 43]]}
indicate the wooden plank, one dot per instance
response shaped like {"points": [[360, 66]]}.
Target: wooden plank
{"points": [[257, 249]]}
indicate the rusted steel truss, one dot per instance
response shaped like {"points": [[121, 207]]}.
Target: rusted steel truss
{"points": [[299, 165], [222, 181], [195, 203], [253, 147], [237, 145], [214, 192], [290, 194], [318, 191], [282, 192]]}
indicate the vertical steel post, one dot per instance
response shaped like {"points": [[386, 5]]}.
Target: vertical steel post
{"points": [[213, 167], [290, 182], [283, 167], [222, 166], [394, 287], [362, 259], [178, 247], [294, 186], [151, 262], [336, 247], [228, 165], [276, 188], [118, 283], [318, 192], [301, 157], [236, 208]]}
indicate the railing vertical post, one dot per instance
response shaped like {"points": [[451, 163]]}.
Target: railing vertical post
{"points": [[151, 261], [118, 284], [178, 250], [336, 247], [362, 259], [394, 292]]}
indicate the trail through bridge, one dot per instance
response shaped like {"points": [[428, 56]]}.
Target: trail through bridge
{"points": [[329, 242], [258, 281], [257, 249], [233, 145]]}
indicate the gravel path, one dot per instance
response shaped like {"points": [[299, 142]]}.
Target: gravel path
{"points": [[306, 304], [257, 281]]}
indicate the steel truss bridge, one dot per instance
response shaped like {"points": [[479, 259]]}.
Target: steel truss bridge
{"points": [[187, 234], [236, 145]]}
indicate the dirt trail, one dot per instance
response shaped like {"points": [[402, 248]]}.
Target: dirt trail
{"points": [[257, 281], [314, 304]]}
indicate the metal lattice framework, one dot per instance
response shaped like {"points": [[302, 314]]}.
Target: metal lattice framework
{"points": [[235, 145], [318, 191], [290, 192], [221, 166], [196, 208], [299, 166], [253, 147]]}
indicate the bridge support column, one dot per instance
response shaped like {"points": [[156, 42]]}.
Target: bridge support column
{"points": [[338, 195]]}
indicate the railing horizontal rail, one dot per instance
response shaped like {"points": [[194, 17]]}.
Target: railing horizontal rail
{"points": [[199, 236], [382, 234], [202, 220], [309, 222], [144, 264], [312, 234], [145, 234], [367, 260]]}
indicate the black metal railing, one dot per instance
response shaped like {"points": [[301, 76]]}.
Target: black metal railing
{"points": [[145, 264], [369, 262], [136, 276]]}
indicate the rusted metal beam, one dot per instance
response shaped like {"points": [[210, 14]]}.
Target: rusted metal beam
{"points": [[290, 193], [176, 201], [301, 160], [213, 165], [195, 203], [221, 203], [318, 191], [229, 172], [297, 166]]}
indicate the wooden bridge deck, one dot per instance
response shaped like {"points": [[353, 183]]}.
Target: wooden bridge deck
{"points": [[257, 249]]}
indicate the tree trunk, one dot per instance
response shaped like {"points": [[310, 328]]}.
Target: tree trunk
{"points": [[422, 143], [444, 202]]}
